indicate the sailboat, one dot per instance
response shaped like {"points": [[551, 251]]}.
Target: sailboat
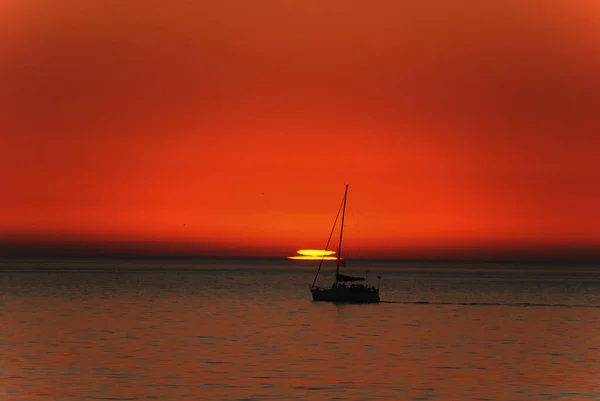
{"points": [[340, 291]]}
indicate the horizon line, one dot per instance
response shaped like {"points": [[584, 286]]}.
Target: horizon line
{"points": [[514, 259]]}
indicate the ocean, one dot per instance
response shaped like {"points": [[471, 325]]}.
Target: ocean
{"points": [[221, 329]]}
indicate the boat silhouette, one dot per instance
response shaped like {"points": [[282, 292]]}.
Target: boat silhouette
{"points": [[340, 290]]}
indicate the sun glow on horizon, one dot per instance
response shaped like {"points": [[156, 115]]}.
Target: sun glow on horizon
{"points": [[312, 257]]}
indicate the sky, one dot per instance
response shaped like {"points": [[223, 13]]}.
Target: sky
{"points": [[465, 129]]}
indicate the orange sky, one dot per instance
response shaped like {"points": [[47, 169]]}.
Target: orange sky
{"points": [[231, 127]]}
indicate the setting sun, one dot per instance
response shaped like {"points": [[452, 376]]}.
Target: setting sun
{"points": [[314, 254]]}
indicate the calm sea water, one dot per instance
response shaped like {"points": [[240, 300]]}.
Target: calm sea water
{"points": [[248, 330]]}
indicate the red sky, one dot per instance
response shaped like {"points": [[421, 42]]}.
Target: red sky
{"points": [[231, 127]]}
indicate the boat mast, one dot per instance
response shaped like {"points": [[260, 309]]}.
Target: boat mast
{"points": [[339, 253]]}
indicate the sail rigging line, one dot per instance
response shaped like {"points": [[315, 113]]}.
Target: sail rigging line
{"points": [[329, 240], [339, 254]]}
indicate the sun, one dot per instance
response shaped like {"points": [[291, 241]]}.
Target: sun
{"points": [[314, 254]]}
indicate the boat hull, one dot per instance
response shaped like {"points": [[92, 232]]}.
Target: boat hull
{"points": [[345, 295]]}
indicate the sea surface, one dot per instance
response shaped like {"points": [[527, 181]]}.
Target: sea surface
{"points": [[248, 330]]}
